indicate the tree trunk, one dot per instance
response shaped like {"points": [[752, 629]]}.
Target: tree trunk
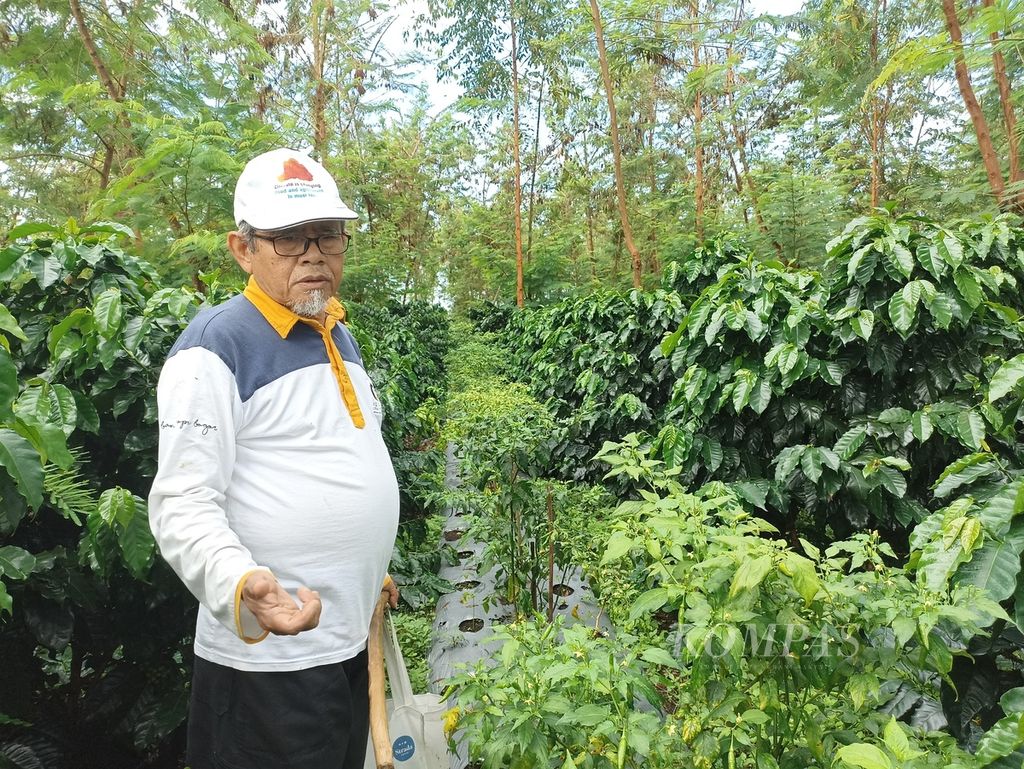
{"points": [[115, 90], [533, 170], [517, 189], [590, 237], [617, 256], [963, 80], [620, 188], [653, 264], [874, 120], [737, 177], [319, 105], [108, 161], [698, 146], [106, 79], [1009, 116], [740, 139]]}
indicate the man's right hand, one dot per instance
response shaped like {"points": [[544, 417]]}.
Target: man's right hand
{"points": [[277, 611]]}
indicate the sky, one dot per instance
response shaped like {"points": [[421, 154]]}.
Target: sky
{"points": [[445, 93]]}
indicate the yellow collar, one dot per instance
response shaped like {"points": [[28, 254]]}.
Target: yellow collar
{"points": [[281, 318]]}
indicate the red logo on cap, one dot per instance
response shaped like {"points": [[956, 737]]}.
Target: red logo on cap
{"points": [[293, 169]]}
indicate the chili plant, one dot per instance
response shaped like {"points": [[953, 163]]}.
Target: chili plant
{"points": [[560, 697], [785, 649], [501, 435]]}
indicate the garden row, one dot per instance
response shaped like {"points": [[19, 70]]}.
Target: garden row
{"points": [[806, 531], [770, 656]]}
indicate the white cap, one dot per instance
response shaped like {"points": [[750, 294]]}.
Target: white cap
{"points": [[284, 187]]}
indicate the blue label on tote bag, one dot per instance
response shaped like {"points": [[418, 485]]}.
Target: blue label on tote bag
{"points": [[403, 748]]}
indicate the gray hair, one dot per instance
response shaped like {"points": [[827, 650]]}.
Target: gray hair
{"points": [[248, 233]]}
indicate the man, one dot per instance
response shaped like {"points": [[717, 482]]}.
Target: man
{"points": [[275, 499]]}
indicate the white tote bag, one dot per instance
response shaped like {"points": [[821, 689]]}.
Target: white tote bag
{"points": [[415, 722]]}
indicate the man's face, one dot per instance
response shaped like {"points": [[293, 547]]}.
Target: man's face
{"points": [[293, 280]]}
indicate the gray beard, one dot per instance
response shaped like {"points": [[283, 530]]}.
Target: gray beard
{"points": [[312, 306]]}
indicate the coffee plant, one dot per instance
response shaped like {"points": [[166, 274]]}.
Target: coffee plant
{"points": [[597, 361], [878, 389], [105, 624], [404, 350], [873, 402]]}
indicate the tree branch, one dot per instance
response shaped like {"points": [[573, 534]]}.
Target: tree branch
{"points": [[1006, 100], [963, 80], [94, 55]]}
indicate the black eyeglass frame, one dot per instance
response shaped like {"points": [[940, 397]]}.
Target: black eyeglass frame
{"points": [[273, 239]]}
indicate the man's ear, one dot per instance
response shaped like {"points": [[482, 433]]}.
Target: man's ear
{"points": [[238, 248]]}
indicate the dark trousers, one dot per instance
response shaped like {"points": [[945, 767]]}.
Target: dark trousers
{"points": [[306, 719]]}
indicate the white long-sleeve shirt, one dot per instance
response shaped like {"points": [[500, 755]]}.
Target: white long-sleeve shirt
{"points": [[271, 456]]}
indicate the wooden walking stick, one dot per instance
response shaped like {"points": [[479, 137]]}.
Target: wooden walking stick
{"points": [[378, 712]]}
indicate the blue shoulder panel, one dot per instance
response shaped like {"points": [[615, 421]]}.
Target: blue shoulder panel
{"points": [[238, 334]]}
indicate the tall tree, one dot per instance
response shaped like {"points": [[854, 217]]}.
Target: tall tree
{"points": [[114, 88], [981, 129], [879, 106], [613, 119], [320, 17], [698, 123], [778, 128], [517, 172], [1016, 177], [739, 129], [485, 45]]}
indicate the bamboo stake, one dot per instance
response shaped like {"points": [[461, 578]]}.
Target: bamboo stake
{"points": [[378, 712]]}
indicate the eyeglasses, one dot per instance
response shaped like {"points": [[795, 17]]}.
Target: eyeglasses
{"points": [[334, 244]]}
